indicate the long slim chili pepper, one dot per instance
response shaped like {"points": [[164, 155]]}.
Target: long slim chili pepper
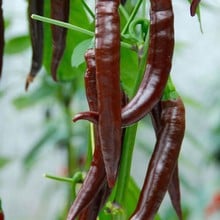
{"points": [[2, 41], [107, 51], [193, 6], [59, 11], [96, 175], [163, 160], [36, 35], [174, 186], [157, 68], [91, 211]]}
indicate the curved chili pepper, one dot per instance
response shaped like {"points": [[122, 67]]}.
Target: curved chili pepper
{"points": [[59, 11], [91, 211], [107, 51], [2, 41], [36, 35], [157, 68], [96, 175], [193, 6], [174, 186], [163, 160]]}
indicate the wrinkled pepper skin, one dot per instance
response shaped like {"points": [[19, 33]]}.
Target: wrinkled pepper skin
{"points": [[107, 51], [193, 7], [158, 66], [59, 11], [174, 185], [2, 41], [163, 160], [36, 35]]}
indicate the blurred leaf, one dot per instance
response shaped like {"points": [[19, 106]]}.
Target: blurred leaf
{"points": [[1, 93], [79, 51], [4, 161], [17, 44], [32, 154], [45, 90]]}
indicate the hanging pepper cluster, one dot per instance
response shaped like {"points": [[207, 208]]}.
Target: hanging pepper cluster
{"points": [[154, 96], [111, 111]]}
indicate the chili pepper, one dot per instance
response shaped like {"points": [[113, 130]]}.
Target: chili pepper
{"points": [[163, 160], [107, 51], [193, 6], [2, 41], [174, 186], [157, 68], [96, 175], [59, 11], [91, 211], [36, 35]]}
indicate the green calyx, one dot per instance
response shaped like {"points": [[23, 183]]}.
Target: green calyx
{"points": [[170, 92]]}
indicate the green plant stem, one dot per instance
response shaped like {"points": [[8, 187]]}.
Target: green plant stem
{"points": [[73, 27], [58, 178], [130, 135], [123, 12], [131, 18]]}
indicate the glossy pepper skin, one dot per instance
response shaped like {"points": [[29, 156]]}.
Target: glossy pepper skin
{"points": [[2, 41], [157, 69], [107, 51], [92, 210], [163, 160], [193, 6], [158, 65], [174, 185], [96, 176], [59, 11], [36, 35]]}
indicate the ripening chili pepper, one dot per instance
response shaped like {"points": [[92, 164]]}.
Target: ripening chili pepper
{"points": [[59, 11], [157, 67], [193, 6], [36, 35], [2, 41], [163, 160], [174, 186], [96, 175], [107, 51]]}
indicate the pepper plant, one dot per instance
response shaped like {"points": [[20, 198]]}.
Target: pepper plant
{"points": [[118, 200]]}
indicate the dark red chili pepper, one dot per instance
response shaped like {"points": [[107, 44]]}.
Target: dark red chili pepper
{"points": [[59, 11], [193, 6], [157, 68], [91, 211], [96, 175], [174, 186], [107, 51], [36, 35], [2, 41], [163, 160]]}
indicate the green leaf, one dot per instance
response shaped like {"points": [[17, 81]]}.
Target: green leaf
{"points": [[4, 161], [17, 44], [79, 51], [67, 72], [30, 157]]}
